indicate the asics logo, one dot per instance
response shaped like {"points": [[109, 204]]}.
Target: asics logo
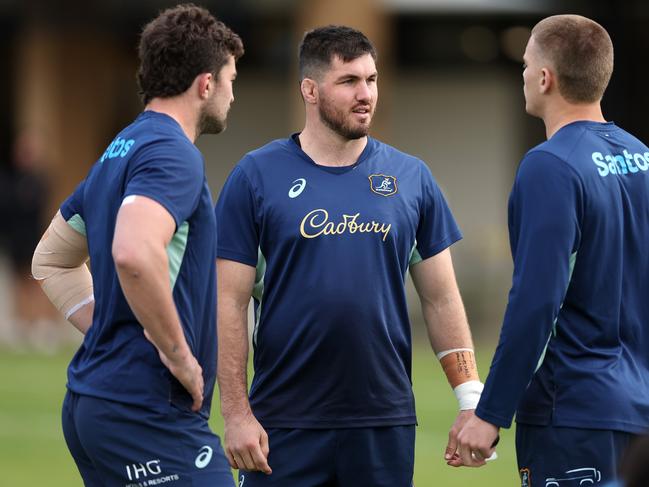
{"points": [[243, 479], [204, 457], [297, 188]]}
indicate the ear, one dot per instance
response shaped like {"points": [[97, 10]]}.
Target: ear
{"points": [[309, 89], [547, 80], [203, 85]]}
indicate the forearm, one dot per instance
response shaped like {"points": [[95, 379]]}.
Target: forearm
{"points": [[526, 331], [82, 317], [446, 321], [144, 277], [233, 358], [450, 338], [539, 286], [448, 329]]}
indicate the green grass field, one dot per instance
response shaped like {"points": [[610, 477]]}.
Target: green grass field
{"points": [[33, 452]]}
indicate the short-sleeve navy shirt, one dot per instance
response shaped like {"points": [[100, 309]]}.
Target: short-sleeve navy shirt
{"points": [[332, 246], [152, 157]]}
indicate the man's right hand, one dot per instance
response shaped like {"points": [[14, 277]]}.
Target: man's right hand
{"points": [[186, 369], [190, 374], [246, 444]]}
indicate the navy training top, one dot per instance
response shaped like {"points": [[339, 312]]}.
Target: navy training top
{"points": [[152, 157], [332, 343], [574, 346]]}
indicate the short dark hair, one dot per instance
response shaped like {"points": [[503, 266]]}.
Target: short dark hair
{"points": [[178, 45], [581, 52], [319, 46]]}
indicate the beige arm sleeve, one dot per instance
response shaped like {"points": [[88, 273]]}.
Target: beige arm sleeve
{"points": [[59, 265]]}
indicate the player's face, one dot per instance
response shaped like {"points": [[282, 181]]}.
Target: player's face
{"points": [[215, 111], [531, 75], [347, 96]]}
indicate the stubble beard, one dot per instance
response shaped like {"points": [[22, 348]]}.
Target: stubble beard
{"points": [[335, 120], [209, 122]]}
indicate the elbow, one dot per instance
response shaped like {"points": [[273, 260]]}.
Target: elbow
{"points": [[42, 267], [126, 258], [133, 256], [38, 266]]}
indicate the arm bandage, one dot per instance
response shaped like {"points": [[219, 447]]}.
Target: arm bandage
{"points": [[59, 265], [462, 373]]}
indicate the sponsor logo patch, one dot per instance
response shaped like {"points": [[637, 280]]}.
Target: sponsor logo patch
{"points": [[383, 184]]}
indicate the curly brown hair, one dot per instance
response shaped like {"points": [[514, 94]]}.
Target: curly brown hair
{"points": [[178, 45]]}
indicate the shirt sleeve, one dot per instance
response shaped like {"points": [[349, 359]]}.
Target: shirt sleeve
{"points": [[238, 219], [545, 209], [437, 229], [170, 173], [72, 209], [73, 205]]}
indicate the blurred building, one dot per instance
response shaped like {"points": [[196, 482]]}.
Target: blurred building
{"points": [[450, 92]]}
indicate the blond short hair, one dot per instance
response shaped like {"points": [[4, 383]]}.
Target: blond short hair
{"points": [[580, 51]]}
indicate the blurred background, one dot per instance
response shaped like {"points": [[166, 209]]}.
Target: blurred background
{"points": [[450, 93]]}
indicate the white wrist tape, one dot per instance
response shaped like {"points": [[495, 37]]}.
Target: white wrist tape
{"points": [[468, 394], [443, 354]]}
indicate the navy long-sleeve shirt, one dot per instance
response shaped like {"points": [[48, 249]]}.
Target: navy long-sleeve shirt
{"points": [[574, 346]]}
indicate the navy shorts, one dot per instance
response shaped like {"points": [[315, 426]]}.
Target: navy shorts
{"points": [[551, 456], [352, 457], [121, 445]]}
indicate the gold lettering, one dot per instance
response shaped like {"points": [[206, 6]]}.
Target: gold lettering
{"points": [[364, 227], [352, 225], [316, 223], [385, 230], [312, 217]]}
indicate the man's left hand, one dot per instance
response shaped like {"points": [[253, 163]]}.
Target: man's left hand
{"points": [[476, 442]]}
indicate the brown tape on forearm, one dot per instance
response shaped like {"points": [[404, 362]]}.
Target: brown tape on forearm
{"points": [[459, 367]]}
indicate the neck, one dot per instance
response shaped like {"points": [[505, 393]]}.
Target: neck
{"points": [[565, 113], [177, 108], [327, 148]]}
